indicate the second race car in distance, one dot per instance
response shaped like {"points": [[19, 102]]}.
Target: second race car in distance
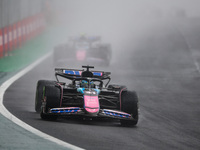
{"points": [[83, 49]]}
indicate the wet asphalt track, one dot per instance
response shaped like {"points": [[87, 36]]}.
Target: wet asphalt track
{"points": [[163, 73]]}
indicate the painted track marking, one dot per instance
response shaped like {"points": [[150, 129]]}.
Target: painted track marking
{"points": [[19, 122]]}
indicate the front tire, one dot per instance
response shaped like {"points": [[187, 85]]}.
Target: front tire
{"points": [[39, 93], [129, 104], [52, 98]]}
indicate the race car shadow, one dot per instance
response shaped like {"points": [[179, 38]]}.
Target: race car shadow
{"points": [[91, 121]]}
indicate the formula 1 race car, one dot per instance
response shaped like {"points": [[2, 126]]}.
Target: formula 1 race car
{"points": [[85, 95], [83, 49]]}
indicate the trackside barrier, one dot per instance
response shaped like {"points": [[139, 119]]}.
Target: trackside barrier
{"points": [[32, 22], [10, 37], [24, 31], [30, 28], [33, 26], [16, 34], [15, 38], [19, 34], [27, 34], [5, 40], [1, 43]]}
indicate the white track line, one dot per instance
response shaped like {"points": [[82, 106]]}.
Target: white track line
{"points": [[17, 121], [192, 54]]}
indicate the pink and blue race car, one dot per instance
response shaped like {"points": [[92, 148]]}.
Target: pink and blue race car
{"points": [[85, 95]]}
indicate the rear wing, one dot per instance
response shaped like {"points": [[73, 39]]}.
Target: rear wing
{"points": [[85, 38], [77, 73], [74, 75]]}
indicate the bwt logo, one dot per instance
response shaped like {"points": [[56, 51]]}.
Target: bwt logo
{"points": [[89, 92]]}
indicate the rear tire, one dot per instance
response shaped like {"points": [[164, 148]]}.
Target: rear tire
{"points": [[107, 53], [129, 104], [53, 98], [39, 93], [116, 87]]}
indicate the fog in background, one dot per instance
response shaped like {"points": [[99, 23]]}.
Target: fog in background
{"points": [[123, 23], [115, 16]]}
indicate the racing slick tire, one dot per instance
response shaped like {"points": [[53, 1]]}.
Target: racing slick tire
{"points": [[39, 93], [106, 53], [52, 95], [129, 104]]}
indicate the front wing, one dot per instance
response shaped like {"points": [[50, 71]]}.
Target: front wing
{"points": [[80, 111]]}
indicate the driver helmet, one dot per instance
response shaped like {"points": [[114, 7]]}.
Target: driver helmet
{"points": [[84, 84]]}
